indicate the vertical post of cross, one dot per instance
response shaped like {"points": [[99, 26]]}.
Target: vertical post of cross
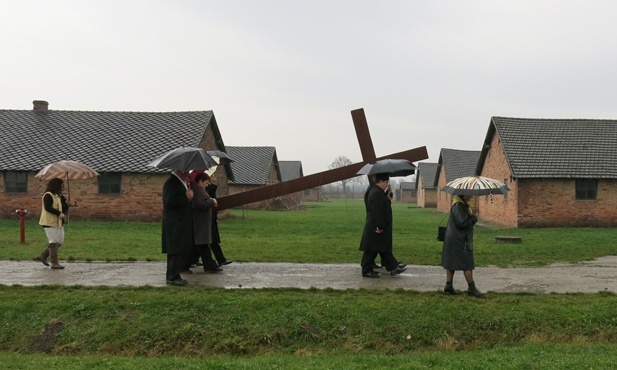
{"points": [[364, 135]]}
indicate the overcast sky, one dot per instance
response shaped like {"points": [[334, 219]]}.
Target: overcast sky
{"points": [[288, 73]]}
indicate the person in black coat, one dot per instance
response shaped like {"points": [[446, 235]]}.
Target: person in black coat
{"points": [[177, 235], [377, 234], [457, 254], [216, 237]]}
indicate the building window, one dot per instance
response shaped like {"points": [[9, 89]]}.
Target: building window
{"points": [[109, 183], [16, 182], [307, 192], [586, 189]]}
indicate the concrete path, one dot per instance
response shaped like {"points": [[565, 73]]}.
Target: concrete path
{"points": [[588, 277]]}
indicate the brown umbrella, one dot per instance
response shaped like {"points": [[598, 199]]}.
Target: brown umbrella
{"points": [[66, 170]]}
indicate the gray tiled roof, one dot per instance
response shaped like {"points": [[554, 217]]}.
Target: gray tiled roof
{"points": [[557, 148], [251, 164], [458, 163], [407, 185], [105, 141], [290, 170], [427, 171]]}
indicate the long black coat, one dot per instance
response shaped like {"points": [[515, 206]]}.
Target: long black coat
{"points": [[457, 253], [177, 236], [378, 215], [216, 237], [202, 215]]}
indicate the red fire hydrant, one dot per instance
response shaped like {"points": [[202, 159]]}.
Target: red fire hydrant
{"points": [[22, 224]]}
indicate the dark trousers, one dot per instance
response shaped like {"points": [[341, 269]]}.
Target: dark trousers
{"points": [[387, 260], [218, 253], [206, 258], [175, 264]]}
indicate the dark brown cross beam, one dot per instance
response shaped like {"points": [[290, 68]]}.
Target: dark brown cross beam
{"points": [[326, 177]]}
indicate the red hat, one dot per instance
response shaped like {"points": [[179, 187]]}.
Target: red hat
{"points": [[194, 174]]}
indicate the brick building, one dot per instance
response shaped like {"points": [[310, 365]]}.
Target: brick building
{"points": [[118, 145], [290, 170], [254, 167], [406, 192], [425, 183], [453, 164], [561, 172]]}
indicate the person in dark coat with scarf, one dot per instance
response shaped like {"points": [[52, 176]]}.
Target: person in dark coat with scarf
{"points": [[377, 234], [457, 254], [203, 207], [177, 235]]}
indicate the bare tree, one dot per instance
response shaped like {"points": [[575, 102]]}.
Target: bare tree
{"points": [[341, 161]]}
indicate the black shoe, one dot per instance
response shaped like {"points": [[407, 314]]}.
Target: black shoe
{"points": [[226, 262], [376, 266], [397, 271], [449, 288], [475, 293], [213, 271], [401, 265], [177, 282], [371, 274]]}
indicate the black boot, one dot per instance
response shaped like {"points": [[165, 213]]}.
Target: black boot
{"points": [[473, 291], [449, 288]]}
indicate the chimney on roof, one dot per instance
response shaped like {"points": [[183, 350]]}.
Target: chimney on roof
{"points": [[40, 105]]}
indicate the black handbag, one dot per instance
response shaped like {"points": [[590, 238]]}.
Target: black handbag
{"points": [[441, 233], [441, 230]]}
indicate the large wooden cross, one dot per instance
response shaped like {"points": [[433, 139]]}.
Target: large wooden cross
{"points": [[326, 177]]}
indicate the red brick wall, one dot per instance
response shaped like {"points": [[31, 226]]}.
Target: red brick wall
{"points": [[407, 196], [499, 209], [312, 196], [553, 203], [426, 197], [141, 199], [444, 200]]}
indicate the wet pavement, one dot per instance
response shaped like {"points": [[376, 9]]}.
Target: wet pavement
{"points": [[599, 275]]}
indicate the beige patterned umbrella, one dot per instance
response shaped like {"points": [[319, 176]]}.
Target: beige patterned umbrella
{"points": [[66, 170]]}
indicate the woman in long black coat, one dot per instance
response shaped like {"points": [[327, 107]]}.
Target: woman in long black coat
{"points": [[377, 234], [457, 254]]}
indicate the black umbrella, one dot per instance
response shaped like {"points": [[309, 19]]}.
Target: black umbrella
{"points": [[184, 158], [394, 167]]}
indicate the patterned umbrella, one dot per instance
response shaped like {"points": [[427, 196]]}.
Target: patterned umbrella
{"points": [[66, 170], [475, 185]]}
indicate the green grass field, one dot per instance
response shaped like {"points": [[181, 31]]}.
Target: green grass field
{"points": [[196, 328], [305, 236]]}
